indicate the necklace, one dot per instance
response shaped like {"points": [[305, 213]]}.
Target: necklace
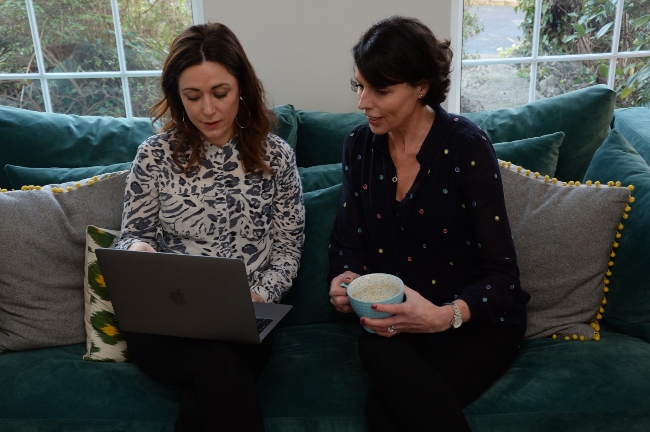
{"points": [[396, 170]]}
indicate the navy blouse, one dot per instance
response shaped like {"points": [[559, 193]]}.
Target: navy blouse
{"points": [[449, 238]]}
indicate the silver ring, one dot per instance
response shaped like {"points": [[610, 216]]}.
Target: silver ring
{"points": [[391, 329]]}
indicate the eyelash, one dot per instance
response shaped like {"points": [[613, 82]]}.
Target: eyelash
{"points": [[218, 96], [356, 87]]}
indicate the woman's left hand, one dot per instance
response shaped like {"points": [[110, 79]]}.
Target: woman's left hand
{"points": [[256, 298], [415, 315]]}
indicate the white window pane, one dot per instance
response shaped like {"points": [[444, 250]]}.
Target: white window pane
{"points": [[77, 36], [554, 78], [26, 94], [635, 29], [492, 87], [148, 28], [88, 96], [16, 47], [144, 93], [632, 82], [491, 31], [577, 27]]}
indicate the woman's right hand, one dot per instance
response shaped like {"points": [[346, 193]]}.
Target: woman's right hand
{"points": [[141, 246], [338, 294]]}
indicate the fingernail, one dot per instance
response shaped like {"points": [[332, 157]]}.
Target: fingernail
{"points": [[373, 307], [348, 278], [363, 321]]}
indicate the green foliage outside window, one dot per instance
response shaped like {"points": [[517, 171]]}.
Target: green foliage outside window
{"points": [[587, 26], [79, 36]]}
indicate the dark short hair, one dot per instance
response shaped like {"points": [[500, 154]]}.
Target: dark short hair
{"points": [[403, 50], [214, 42]]}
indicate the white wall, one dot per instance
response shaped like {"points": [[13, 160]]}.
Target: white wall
{"points": [[301, 49]]}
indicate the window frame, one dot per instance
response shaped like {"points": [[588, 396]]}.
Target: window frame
{"points": [[124, 74], [535, 59]]}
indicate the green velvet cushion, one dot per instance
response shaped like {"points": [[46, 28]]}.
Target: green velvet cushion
{"points": [[634, 125], [583, 115], [310, 291], [42, 140], [43, 236], [320, 176], [628, 302], [20, 176], [538, 154], [53, 389], [287, 127], [314, 380], [321, 134], [570, 386]]}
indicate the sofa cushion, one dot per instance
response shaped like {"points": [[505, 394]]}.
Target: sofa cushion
{"points": [[320, 176], [634, 125], [104, 340], [43, 234], [538, 154], [314, 380], [36, 139], [563, 236], [21, 176], [54, 390], [570, 386], [321, 134], [583, 115], [287, 127], [310, 291], [628, 302]]}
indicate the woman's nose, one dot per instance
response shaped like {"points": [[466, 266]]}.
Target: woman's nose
{"points": [[208, 106], [364, 100]]}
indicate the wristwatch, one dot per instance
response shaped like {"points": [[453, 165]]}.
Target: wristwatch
{"points": [[457, 320]]}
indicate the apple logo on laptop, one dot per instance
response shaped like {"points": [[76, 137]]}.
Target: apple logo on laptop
{"points": [[178, 297]]}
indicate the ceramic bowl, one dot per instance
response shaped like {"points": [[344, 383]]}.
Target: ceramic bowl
{"points": [[374, 288]]}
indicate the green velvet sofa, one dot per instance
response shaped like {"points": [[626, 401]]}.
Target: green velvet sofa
{"points": [[314, 381]]}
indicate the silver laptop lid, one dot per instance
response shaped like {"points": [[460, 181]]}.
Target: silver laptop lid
{"points": [[182, 295]]}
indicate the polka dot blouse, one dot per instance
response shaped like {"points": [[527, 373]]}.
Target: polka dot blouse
{"points": [[449, 238]]}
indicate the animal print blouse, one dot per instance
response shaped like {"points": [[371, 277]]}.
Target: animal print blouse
{"points": [[219, 210]]}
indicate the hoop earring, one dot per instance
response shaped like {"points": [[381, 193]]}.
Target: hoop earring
{"points": [[249, 116], [184, 124]]}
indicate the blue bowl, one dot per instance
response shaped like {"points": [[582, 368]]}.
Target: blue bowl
{"points": [[371, 289]]}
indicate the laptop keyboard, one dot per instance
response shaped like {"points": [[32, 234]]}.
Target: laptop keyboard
{"points": [[262, 323]]}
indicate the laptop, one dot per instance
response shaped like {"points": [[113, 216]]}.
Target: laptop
{"points": [[185, 295]]}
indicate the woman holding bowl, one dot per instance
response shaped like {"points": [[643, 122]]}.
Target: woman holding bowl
{"points": [[423, 200]]}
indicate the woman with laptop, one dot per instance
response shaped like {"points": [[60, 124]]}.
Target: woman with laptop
{"points": [[422, 199], [214, 181]]}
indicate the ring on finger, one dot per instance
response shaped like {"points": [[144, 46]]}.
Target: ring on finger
{"points": [[391, 329]]}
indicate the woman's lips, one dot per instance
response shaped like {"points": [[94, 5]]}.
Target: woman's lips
{"points": [[211, 124], [374, 120]]}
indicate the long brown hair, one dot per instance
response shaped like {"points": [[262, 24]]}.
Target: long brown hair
{"points": [[216, 43]]}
